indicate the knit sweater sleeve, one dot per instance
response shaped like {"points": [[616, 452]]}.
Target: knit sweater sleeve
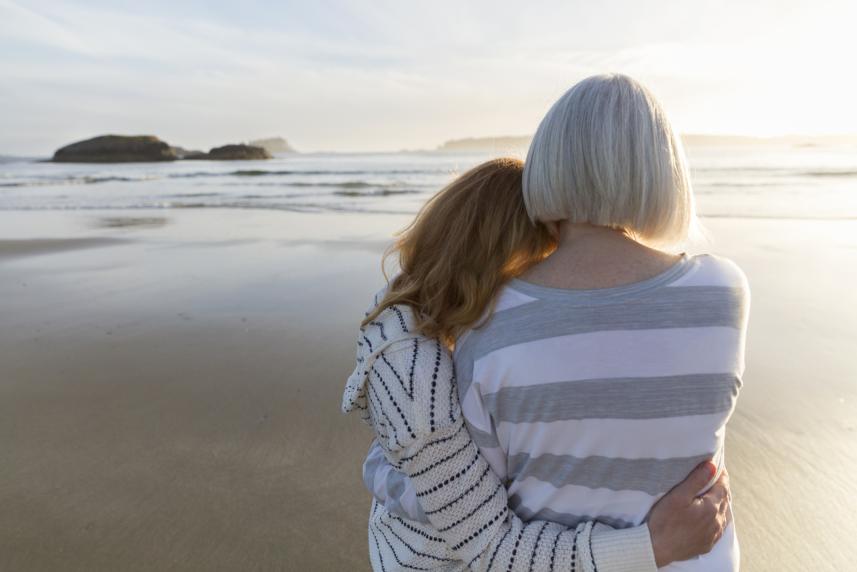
{"points": [[413, 407]]}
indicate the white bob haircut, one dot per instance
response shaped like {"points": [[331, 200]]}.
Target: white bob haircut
{"points": [[605, 154]]}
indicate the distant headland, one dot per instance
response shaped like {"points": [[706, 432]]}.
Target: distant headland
{"points": [[502, 143], [520, 143], [148, 148], [273, 145]]}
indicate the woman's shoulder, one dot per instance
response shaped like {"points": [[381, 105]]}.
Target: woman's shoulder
{"points": [[386, 332], [409, 376], [713, 270], [393, 324]]}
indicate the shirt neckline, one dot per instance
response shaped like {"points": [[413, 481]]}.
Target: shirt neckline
{"points": [[679, 268]]}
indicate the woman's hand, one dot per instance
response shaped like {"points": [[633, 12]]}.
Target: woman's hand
{"points": [[684, 525]]}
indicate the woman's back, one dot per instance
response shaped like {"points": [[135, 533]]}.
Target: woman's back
{"points": [[594, 403]]}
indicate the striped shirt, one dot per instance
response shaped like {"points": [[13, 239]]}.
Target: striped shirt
{"points": [[594, 403]]}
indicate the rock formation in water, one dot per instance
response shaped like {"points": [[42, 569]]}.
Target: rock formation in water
{"points": [[233, 153], [116, 149], [273, 145], [182, 153]]}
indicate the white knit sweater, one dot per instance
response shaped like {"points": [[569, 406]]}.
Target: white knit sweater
{"points": [[404, 386]]}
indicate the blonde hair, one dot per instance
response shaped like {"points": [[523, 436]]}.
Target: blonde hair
{"points": [[606, 154], [464, 244]]}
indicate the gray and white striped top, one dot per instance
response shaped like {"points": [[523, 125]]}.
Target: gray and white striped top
{"points": [[594, 403]]}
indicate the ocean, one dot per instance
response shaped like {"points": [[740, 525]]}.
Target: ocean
{"points": [[751, 181]]}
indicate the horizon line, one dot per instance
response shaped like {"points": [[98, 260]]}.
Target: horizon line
{"points": [[476, 138]]}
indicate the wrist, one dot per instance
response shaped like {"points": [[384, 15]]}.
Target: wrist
{"points": [[661, 553]]}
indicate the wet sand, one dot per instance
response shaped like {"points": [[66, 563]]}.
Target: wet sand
{"points": [[169, 390]]}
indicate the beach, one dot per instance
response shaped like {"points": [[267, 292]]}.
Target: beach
{"points": [[170, 384], [196, 200]]}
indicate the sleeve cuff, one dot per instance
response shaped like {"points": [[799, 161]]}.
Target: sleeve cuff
{"points": [[623, 550]]}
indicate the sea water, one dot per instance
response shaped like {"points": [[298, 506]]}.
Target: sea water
{"points": [[751, 181]]}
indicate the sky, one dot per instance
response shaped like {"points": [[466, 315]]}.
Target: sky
{"points": [[391, 74]]}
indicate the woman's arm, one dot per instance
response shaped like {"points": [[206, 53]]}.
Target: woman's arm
{"points": [[424, 436], [682, 524]]}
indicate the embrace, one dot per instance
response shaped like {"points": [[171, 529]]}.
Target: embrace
{"points": [[547, 381]]}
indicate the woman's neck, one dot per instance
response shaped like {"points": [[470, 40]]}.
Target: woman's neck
{"points": [[571, 234], [589, 256]]}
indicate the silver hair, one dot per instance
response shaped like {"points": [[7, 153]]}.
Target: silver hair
{"points": [[606, 154]]}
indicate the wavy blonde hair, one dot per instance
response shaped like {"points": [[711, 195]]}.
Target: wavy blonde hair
{"points": [[465, 243]]}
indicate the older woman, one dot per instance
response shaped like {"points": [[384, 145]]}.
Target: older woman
{"points": [[611, 368], [607, 371]]}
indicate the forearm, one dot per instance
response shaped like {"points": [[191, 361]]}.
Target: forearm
{"points": [[467, 504]]}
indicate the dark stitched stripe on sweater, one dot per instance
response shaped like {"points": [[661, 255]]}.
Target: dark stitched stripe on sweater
{"points": [[413, 528], [474, 511], [381, 328], [453, 393], [378, 548], [482, 529], [401, 319], [441, 461], [413, 365], [457, 475], [393, 401], [434, 385], [398, 377], [433, 443], [592, 556], [377, 405], [464, 494], [536, 547], [553, 550], [496, 549], [574, 549], [396, 556], [411, 548], [515, 551]]}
